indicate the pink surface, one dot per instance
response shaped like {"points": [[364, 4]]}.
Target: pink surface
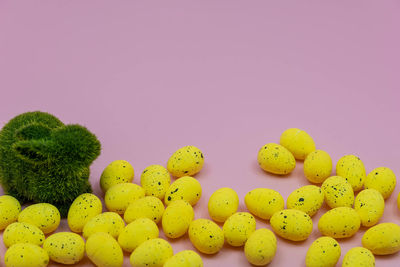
{"points": [[226, 76]]}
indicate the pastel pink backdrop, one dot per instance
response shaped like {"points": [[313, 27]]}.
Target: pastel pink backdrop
{"points": [[149, 77]]}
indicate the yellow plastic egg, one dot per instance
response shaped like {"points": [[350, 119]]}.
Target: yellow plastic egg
{"points": [[341, 222], [187, 160], [107, 222], [381, 179], [298, 142], [338, 192], [103, 250], [65, 247], [177, 218], [206, 236], [276, 159], [264, 202], [185, 258], [358, 257], [147, 207], [9, 210], [292, 224], [186, 188], [151, 253], [238, 227], [117, 172], [260, 247], [370, 206], [43, 215], [382, 239], [317, 166], [26, 255], [84, 208], [308, 198], [324, 251], [352, 169], [223, 203], [155, 181], [136, 233], [22, 233], [120, 196]]}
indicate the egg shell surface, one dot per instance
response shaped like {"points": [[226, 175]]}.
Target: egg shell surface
{"points": [[84, 208], [155, 180], [260, 247], [338, 192], [352, 169], [298, 142], [22, 233], [136, 233], [308, 198], [151, 253], [26, 255], [9, 210], [223, 203], [177, 218], [358, 257], [185, 188], [65, 247], [370, 205], [292, 224], [118, 171], [107, 222], [317, 166], [264, 202], [185, 258], [382, 239], [186, 161], [120, 196], [324, 251], [276, 159], [104, 251], [206, 236], [43, 215], [341, 222], [238, 227], [147, 207], [381, 179]]}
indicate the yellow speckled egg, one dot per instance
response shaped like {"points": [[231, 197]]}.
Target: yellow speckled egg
{"points": [[260, 248], [381, 179], [338, 192], [238, 227], [136, 233], [298, 142], [324, 251], [177, 218], [22, 233], [147, 207], [341, 222], [223, 203], [84, 208], [107, 222], [187, 160], [370, 205], [155, 181], [206, 236], [352, 169], [276, 159], [185, 258], [26, 255], [382, 239], [65, 247], [120, 196], [292, 224], [317, 166], [151, 253], [117, 172], [264, 202], [43, 215], [358, 257], [308, 198], [186, 188], [103, 250], [9, 210]]}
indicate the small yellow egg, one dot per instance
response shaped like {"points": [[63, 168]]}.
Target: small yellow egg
{"points": [[155, 181], [223, 203], [358, 257], [338, 192], [382, 239], [43, 215], [370, 206], [264, 202], [9, 210], [276, 159], [206, 236], [186, 188], [65, 247], [22, 233], [324, 251], [308, 198], [151, 253], [185, 258], [186, 161], [136, 233], [26, 255], [103, 250], [381, 179], [147, 207], [117, 172], [107, 222], [177, 218], [317, 166], [238, 227], [341, 222], [120, 196], [84, 208], [298, 142], [260, 247], [292, 224], [352, 169]]}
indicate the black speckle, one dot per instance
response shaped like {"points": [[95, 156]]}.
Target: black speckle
{"points": [[169, 198], [301, 199]]}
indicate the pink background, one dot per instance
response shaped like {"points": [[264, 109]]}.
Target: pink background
{"points": [[227, 76]]}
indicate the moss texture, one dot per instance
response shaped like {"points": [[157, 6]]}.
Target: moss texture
{"points": [[43, 160]]}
